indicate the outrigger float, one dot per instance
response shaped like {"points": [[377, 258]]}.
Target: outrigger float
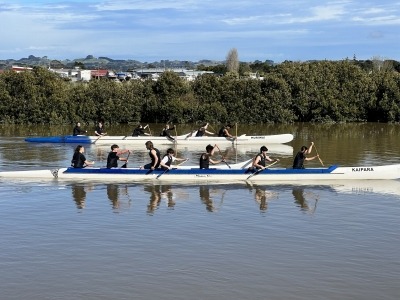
{"points": [[226, 174]]}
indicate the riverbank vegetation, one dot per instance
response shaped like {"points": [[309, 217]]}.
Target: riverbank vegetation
{"points": [[321, 91]]}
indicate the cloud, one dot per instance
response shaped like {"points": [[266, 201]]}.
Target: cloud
{"points": [[186, 28], [146, 5]]}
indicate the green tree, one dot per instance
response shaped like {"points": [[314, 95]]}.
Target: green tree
{"points": [[170, 89]]}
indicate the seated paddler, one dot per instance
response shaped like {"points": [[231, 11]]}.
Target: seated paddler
{"points": [[205, 158], [79, 160], [260, 160]]}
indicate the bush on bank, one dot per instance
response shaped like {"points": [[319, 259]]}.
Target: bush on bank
{"points": [[323, 91]]}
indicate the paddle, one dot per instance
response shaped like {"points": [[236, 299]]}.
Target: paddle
{"points": [[126, 136], [148, 172], [176, 138], [223, 157], [212, 128], [259, 171], [182, 162], [166, 170], [236, 140], [159, 175], [190, 134], [125, 165], [320, 160], [94, 142]]}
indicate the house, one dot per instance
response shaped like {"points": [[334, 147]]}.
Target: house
{"points": [[84, 75], [19, 69]]}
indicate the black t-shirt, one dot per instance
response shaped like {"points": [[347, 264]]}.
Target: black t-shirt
{"points": [[138, 132], [112, 160], [78, 130], [100, 130], [205, 161], [78, 160], [298, 162]]}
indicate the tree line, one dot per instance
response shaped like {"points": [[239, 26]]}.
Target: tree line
{"points": [[321, 91]]}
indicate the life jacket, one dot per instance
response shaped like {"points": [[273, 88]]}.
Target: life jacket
{"points": [[262, 159], [169, 161]]}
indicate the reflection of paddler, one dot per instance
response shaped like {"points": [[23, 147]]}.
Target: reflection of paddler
{"points": [[166, 191], [205, 197], [113, 194], [79, 195], [261, 198], [208, 199], [155, 197], [299, 198]]}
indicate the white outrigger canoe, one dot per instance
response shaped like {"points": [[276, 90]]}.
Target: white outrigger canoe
{"points": [[185, 139], [273, 149], [236, 173]]}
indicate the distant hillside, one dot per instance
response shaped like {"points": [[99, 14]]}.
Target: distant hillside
{"points": [[91, 62]]}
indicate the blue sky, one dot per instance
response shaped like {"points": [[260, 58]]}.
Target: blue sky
{"points": [[148, 30]]}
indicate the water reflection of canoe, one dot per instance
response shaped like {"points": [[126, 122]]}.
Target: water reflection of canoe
{"points": [[227, 175], [161, 140], [303, 188], [212, 195]]}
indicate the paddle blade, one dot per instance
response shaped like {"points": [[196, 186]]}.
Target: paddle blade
{"points": [[159, 175], [227, 165]]}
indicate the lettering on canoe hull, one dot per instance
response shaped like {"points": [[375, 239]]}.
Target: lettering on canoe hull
{"points": [[201, 175], [258, 137], [362, 190], [362, 169]]}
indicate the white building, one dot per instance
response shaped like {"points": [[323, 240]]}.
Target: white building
{"points": [[84, 75]]}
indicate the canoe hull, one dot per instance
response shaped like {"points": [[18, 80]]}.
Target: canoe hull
{"points": [[160, 140], [224, 175]]}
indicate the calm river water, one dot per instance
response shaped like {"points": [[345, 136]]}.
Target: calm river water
{"points": [[85, 240]]}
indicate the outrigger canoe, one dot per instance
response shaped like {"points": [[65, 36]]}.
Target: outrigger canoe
{"points": [[273, 149], [185, 139], [220, 175]]}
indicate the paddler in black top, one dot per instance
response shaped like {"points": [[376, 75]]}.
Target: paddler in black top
{"points": [[205, 158], [224, 132], [202, 130], [79, 159], [165, 132], [113, 157], [139, 130], [154, 154], [300, 157], [78, 130], [168, 159], [100, 130], [261, 158]]}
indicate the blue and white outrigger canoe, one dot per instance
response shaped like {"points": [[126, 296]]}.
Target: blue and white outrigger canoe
{"points": [[220, 175], [185, 139]]}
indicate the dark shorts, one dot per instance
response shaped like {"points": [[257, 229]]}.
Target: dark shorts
{"points": [[148, 166]]}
